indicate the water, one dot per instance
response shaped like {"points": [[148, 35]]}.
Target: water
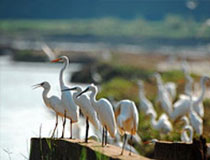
{"points": [[22, 109]]}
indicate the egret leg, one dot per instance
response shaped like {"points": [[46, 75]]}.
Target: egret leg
{"points": [[70, 129], [103, 138], [64, 123], [87, 128], [131, 144], [125, 137], [56, 124]]}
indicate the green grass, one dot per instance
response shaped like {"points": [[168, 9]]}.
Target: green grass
{"points": [[172, 26]]}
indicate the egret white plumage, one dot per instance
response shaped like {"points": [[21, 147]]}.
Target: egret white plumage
{"points": [[127, 118], [105, 112], [145, 105], [163, 95], [162, 124], [171, 88], [88, 111], [195, 120], [66, 97], [186, 127], [52, 102], [182, 106]]}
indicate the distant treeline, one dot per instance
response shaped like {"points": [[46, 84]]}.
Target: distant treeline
{"points": [[171, 27], [126, 9]]}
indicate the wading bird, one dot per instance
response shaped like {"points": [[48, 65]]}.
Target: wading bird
{"points": [[66, 97], [127, 118], [186, 127], [195, 120], [145, 105], [163, 95], [53, 103], [170, 87], [105, 112], [163, 124], [182, 106], [87, 110]]}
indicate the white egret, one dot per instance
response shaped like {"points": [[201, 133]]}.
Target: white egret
{"points": [[163, 95], [53, 103], [184, 137], [163, 124], [171, 88], [187, 127], [145, 105], [66, 97], [105, 112], [50, 54], [127, 118], [195, 120], [182, 106], [88, 111]]}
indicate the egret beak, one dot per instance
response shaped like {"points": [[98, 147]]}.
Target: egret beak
{"points": [[56, 60], [36, 86], [83, 92], [69, 89]]}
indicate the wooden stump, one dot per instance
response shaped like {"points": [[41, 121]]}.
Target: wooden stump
{"points": [[181, 151], [64, 149]]}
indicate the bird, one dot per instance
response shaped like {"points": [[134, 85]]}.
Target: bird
{"points": [[47, 50], [171, 88], [86, 108], [104, 111], [127, 118], [66, 97], [195, 120], [163, 95], [145, 105], [182, 106], [163, 124], [188, 88], [52, 102], [184, 136]]}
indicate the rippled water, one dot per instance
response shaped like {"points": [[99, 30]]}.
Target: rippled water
{"points": [[22, 110]]}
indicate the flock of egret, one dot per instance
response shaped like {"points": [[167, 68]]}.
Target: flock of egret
{"points": [[187, 108], [123, 117]]}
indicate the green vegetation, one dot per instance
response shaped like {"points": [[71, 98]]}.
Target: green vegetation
{"points": [[172, 26]]}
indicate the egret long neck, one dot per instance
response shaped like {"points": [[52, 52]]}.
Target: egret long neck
{"points": [[141, 92], [44, 95], [153, 122], [203, 87], [191, 133], [61, 74], [93, 99]]}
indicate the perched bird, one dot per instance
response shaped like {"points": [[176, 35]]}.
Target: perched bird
{"points": [[105, 112], [88, 111], [52, 102], [163, 95], [66, 97], [145, 105], [186, 127], [127, 118], [182, 106], [163, 124]]}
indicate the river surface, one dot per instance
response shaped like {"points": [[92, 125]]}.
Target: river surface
{"points": [[22, 110]]}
